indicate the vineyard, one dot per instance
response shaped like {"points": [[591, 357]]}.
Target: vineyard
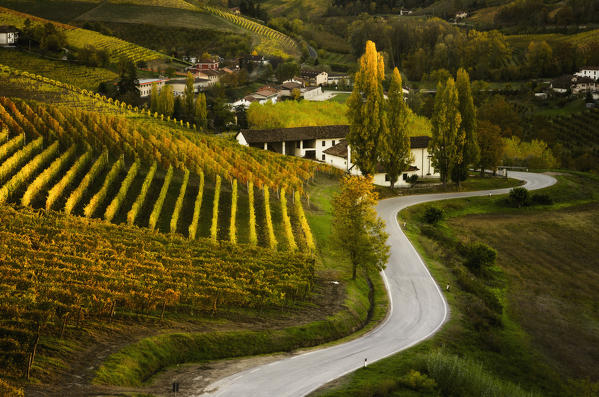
{"points": [[145, 196], [79, 38], [84, 77], [578, 131], [60, 274], [273, 42]]}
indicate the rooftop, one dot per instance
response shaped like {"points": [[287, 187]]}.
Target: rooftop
{"points": [[295, 134], [149, 81], [8, 29]]}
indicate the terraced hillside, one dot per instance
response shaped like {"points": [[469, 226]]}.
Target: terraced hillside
{"points": [[79, 38], [161, 13], [151, 178]]}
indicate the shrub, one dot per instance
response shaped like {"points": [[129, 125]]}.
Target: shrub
{"points": [[542, 199], [432, 215], [412, 179], [479, 256], [417, 381], [519, 197]]}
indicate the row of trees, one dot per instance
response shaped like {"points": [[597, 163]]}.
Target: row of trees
{"points": [[378, 127], [188, 108]]}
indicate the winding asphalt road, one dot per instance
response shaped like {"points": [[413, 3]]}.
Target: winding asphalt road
{"points": [[418, 310]]}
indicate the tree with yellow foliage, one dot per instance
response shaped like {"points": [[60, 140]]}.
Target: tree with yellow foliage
{"points": [[366, 111], [357, 229]]}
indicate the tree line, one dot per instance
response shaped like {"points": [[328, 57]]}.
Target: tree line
{"points": [[422, 47], [188, 107]]}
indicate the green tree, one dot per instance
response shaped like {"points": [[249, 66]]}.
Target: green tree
{"points": [[446, 125], [357, 230], [491, 146], [366, 110], [201, 114], [394, 143], [539, 57], [468, 151], [127, 84], [188, 98], [154, 98], [286, 71]]}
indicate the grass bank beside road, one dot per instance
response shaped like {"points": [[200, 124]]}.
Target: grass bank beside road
{"points": [[524, 326]]}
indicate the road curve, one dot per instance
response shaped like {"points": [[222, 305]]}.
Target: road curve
{"points": [[418, 310]]}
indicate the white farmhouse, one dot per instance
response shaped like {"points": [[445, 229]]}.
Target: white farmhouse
{"points": [[8, 35], [589, 71], [339, 156], [145, 86], [327, 144]]}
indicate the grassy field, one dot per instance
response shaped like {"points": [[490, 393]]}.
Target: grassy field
{"points": [[540, 329], [80, 76]]}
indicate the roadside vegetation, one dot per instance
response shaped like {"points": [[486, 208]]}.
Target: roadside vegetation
{"points": [[509, 315]]}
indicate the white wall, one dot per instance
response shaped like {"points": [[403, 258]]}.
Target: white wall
{"points": [[337, 162]]}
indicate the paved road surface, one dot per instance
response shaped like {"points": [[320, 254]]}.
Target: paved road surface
{"points": [[418, 310]]}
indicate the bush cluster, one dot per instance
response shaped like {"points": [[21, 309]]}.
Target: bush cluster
{"points": [[432, 215]]}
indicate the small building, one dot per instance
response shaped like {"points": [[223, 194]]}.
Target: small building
{"points": [[336, 78], [235, 11], [584, 84], [314, 78], [311, 93], [339, 156], [589, 71], [210, 64], [145, 86], [178, 85], [9, 35], [213, 76], [461, 15], [561, 84]]}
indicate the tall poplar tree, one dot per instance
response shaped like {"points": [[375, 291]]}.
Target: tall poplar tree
{"points": [[166, 101], [446, 122], [366, 111], [189, 97], [469, 149], [201, 114], [394, 142], [154, 98]]}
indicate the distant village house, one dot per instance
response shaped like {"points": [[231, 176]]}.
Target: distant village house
{"points": [[8, 36], [145, 86], [314, 78]]}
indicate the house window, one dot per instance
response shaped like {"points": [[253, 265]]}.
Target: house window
{"points": [[387, 179], [333, 142], [405, 177], [324, 143], [323, 157]]}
